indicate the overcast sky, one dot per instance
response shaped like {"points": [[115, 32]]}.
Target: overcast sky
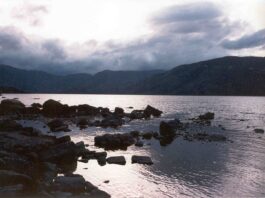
{"points": [[92, 35]]}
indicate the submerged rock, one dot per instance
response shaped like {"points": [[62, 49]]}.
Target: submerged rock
{"points": [[209, 137], [141, 160], [116, 160], [207, 116]]}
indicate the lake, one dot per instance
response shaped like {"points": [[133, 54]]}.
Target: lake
{"points": [[234, 168]]}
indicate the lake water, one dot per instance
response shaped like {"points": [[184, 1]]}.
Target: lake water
{"points": [[181, 169]]}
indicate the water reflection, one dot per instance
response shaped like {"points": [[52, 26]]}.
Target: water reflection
{"points": [[181, 168]]}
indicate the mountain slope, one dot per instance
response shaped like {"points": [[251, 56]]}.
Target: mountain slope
{"points": [[222, 76], [102, 82]]}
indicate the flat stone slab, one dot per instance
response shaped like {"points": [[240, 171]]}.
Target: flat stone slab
{"points": [[141, 160], [116, 160]]}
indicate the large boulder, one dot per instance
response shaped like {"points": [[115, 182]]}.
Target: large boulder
{"points": [[151, 111], [114, 141], [85, 110], [119, 111], [57, 125], [169, 128], [63, 152], [10, 106], [52, 108]]}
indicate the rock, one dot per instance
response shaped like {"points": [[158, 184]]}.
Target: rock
{"points": [[83, 123], [114, 141], [87, 110], [139, 143], [52, 108], [137, 114], [80, 148], [94, 192], [63, 139], [60, 153], [141, 160], [11, 106], [151, 111], [259, 130], [207, 137], [119, 111], [135, 133], [217, 138], [12, 191], [169, 128], [104, 111], [71, 183], [57, 125], [30, 111], [112, 121], [165, 129], [101, 161], [116, 160], [9, 177], [147, 135], [10, 125], [30, 131], [36, 105], [207, 116], [106, 181]]}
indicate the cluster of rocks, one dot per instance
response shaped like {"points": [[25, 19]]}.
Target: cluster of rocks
{"points": [[31, 161], [174, 128], [54, 109], [102, 159]]}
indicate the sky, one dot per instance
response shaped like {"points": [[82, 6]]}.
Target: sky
{"points": [[77, 36]]}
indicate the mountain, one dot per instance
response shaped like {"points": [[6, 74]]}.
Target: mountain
{"points": [[42, 82], [222, 76], [9, 90]]}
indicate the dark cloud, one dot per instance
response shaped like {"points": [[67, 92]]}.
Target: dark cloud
{"points": [[182, 34], [30, 13], [256, 39], [187, 13]]}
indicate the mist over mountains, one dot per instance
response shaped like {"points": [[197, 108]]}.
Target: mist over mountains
{"points": [[222, 76]]}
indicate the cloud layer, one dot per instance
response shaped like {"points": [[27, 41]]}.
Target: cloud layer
{"points": [[181, 34]]}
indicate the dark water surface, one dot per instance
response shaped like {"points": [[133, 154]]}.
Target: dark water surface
{"points": [[181, 169]]}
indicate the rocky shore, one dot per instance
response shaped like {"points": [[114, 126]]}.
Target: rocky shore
{"points": [[34, 164]]}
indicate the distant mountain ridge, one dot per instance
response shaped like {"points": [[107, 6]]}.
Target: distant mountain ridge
{"points": [[222, 76], [42, 82]]}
